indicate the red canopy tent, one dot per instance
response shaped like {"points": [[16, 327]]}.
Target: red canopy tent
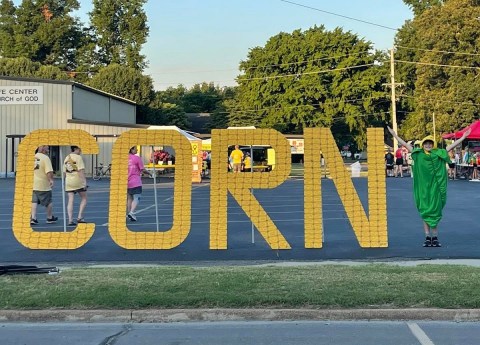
{"points": [[475, 134]]}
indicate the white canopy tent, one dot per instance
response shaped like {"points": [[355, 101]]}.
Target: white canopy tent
{"points": [[196, 151], [175, 128]]}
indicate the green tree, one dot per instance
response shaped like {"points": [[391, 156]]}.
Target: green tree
{"points": [[23, 67], [51, 72], [201, 98], [419, 6], [219, 118], [164, 113], [19, 67], [88, 60], [173, 95], [42, 31], [174, 115], [7, 22], [125, 82], [443, 46], [405, 73], [312, 78], [121, 29]]}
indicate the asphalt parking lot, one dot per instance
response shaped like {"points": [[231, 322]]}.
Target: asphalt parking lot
{"points": [[458, 230]]}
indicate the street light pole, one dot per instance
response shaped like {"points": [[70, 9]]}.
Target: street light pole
{"points": [[394, 102], [392, 84]]}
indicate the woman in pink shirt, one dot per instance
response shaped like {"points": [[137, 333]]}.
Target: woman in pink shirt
{"points": [[134, 186]]}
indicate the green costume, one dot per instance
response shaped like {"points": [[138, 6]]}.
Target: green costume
{"points": [[430, 183]]}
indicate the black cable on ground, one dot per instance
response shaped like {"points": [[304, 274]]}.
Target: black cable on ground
{"points": [[20, 269]]}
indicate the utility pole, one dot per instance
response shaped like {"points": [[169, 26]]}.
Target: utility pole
{"points": [[394, 102], [434, 134]]}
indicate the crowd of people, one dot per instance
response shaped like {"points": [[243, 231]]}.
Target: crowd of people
{"points": [[76, 182], [398, 163], [463, 163], [429, 166], [466, 163]]}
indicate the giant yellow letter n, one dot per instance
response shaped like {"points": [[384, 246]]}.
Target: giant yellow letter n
{"points": [[182, 190], [371, 232], [24, 186], [239, 184]]}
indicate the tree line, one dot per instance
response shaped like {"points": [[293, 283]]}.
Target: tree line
{"points": [[312, 77]]}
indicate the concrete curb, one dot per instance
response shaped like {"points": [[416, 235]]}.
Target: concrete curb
{"points": [[189, 315]]}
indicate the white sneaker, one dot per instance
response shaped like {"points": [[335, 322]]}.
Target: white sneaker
{"points": [[132, 217]]}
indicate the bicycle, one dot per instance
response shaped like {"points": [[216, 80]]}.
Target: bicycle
{"points": [[101, 171]]}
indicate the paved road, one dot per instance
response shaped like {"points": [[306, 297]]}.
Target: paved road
{"points": [[233, 333], [460, 233]]}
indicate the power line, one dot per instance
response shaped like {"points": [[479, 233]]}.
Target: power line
{"points": [[361, 115], [324, 71], [328, 70], [436, 64], [196, 71], [77, 72], [440, 100], [340, 15], [264, 66], [437, 51], [295, 106], [307, 73], [285, 75], [321, 71], [306, 61], [195, 82]]}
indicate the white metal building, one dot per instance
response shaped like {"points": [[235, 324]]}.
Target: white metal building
{"points": [[27, 104]]}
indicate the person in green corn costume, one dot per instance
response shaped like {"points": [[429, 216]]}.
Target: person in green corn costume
{"points": [[430, 182]]}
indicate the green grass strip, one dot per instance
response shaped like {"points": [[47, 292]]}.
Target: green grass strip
{"points": [[323, 286]]}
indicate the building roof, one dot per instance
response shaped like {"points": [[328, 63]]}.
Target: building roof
{"points": [[68, 82], [175, 128]]}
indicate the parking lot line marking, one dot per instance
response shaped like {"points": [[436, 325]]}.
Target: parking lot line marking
{"points": [[153, 205], [419, 334]]}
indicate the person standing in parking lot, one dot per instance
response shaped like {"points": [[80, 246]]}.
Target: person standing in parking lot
{"points": [[430, 182], [236, 157], [75, 182], [134, 187], [247, 163], [399, 161], [42, 185], [389, 162]]}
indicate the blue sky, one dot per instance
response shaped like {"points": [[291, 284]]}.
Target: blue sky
{"points": [[204, 40], [192, 41]]}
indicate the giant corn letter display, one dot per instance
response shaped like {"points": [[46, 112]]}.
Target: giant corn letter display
{"points": [[370, 229], [370, 232], [24, 186], [182, 191], [239, 184]]}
